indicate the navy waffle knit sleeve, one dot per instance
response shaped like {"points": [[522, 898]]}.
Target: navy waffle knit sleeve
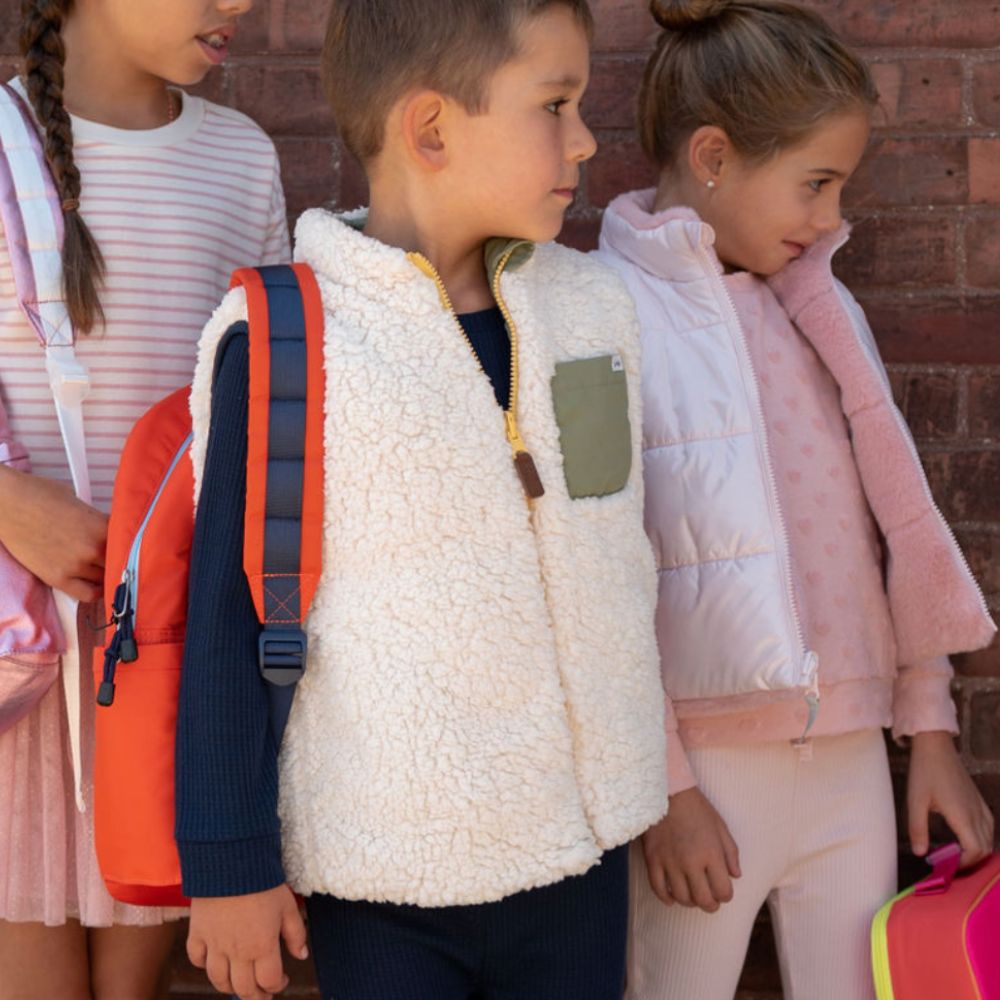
{"points": [[227, 827]]}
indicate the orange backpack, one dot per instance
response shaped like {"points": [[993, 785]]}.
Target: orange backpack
{"points": [[148, 557]]}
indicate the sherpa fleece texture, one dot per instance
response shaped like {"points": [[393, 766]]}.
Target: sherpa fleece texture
{"points": [[483, 711]]}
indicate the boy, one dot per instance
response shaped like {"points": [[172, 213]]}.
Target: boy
{"points": [[480, 727]]}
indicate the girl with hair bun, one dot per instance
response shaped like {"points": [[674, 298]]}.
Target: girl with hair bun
{"points": [[162, 195], [809, 589]]}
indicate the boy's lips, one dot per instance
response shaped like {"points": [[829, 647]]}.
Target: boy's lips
{"points": [[567, 192], [796, 248]]}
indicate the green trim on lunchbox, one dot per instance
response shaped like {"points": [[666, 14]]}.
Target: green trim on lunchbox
{"points": [[881, 970]]}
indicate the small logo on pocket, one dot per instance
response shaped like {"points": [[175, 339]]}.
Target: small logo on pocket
{"points": [[617, 365]]}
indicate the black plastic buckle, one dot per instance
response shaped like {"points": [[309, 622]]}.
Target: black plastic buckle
{"points": [[282, 655]]}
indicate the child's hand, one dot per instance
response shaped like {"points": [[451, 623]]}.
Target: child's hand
{"points": [[236, 940], [53, 534], [691, 858], [938, 782]]}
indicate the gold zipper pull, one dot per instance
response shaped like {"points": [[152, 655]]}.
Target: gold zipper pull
{"points": [[527, 471]]}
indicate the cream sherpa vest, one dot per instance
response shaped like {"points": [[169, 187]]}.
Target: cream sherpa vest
{"points": [[482, 711]]}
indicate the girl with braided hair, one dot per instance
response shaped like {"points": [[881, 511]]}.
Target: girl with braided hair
{"points": [[162, 194]]}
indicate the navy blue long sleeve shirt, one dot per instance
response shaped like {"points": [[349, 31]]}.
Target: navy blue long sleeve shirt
{"points": [[227, 827]]}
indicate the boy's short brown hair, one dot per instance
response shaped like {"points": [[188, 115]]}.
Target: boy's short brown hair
{"points": [[377, 50]]}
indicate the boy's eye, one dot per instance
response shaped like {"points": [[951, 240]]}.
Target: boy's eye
{"points": [[818, 184], [554, 106]]}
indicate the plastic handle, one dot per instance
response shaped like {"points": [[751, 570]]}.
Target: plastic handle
{"points": [[945, 863]]}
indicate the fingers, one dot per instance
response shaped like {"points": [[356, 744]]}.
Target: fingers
{"points": [[975, 838], [268, 975], [217, 968], [719, 884], [197, 951], [917, 815], [83, 591], [677, 886], [293, 931], [731, 853], [658, 883]]}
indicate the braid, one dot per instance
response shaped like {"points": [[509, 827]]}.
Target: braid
{"points": [[44, 56]]}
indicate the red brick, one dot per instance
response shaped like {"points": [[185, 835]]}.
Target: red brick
{"points": [[985, 725], [911, 171], [982, 550], [252, 32], [215, 87], [303, 26], [986, 92], [966, 484], [899, 251], [580, 232], [309, 171], [919, 92], [984, 406], [353, 182], [982, 663], [610, 101], [623, 26], [929, 402], [618, 166], [285, 99], [915, 23], [982, 250], [984, 170], [989, 787], [938, 329]]}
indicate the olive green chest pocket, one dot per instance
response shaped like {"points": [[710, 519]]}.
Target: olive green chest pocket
{"points": [[590, 397]]}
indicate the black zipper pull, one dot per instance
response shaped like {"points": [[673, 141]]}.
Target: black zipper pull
{"points": [[106, 692]]}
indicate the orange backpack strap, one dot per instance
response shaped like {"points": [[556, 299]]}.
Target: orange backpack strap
{"points": [[283, 527]]}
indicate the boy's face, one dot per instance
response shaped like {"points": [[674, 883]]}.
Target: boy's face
{"points": [[516, 165]]}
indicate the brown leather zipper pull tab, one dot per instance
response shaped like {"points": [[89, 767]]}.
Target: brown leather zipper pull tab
{"points": [[527, 472]]}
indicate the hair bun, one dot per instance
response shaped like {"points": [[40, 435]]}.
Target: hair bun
{"points": [[677, 14]]}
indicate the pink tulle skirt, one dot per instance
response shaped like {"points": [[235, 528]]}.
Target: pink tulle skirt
{"points": [[48, 868]]}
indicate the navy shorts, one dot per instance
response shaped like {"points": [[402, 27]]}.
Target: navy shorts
{"points": [[561, 942]]}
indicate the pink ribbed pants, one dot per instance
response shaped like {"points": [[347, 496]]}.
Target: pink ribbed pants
{"points": [[817, 837]]}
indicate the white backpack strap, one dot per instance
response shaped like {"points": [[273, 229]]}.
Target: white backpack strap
{"points": [[33, 222]]}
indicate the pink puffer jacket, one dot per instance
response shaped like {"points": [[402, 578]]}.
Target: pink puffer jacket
{"points": [[727, 624]]}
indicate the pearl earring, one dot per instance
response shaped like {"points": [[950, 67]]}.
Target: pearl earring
{"points": [[710, 184]]}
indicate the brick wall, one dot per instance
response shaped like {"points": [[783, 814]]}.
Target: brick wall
{"points": [[925, 258]]}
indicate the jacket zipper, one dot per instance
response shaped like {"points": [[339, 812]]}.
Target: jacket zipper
{"points": [[523, 461], [809, 667]]}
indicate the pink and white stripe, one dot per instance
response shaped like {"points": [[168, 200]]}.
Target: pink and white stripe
{"points": [[174, 211]]}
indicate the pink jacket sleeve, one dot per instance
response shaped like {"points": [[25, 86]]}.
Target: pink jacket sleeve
{"points": [[679, 774], [922, 699]]}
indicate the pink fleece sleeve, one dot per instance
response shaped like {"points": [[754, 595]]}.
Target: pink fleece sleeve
{"points": [[922, 699], [679, 773]]}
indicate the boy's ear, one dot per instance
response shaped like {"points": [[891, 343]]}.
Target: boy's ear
{"points": [[709, 153], [422, 122]]}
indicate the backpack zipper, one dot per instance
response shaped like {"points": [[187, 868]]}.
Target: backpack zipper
{"points": [[122, 646]]}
